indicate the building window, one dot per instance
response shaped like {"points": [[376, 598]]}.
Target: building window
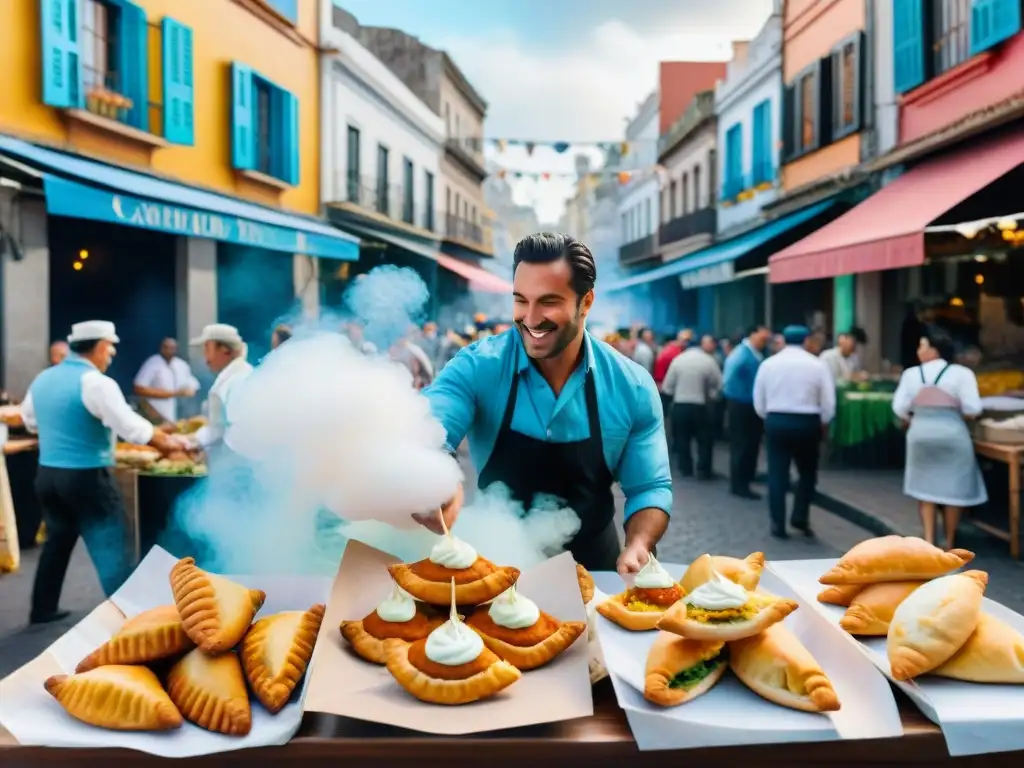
{"points": [[807, 126], [99, 47], [408, 190], [383, 196], [733, 162], [762, 170], [647, 217], [458, 130], [846, 87], [447, 201], [696, 188], [447, 119], [951, 34], [672, 200], [352, 174], [473, 213], [264, 128], [685, 202], [428, 214]]}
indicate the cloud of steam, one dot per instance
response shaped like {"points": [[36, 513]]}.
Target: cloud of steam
{"points": [[388, 300]]}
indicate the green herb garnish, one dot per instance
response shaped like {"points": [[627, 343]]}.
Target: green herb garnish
{"points": [[696, 674]]}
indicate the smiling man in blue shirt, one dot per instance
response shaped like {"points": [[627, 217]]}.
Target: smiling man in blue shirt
{"points": [[549, 409]]}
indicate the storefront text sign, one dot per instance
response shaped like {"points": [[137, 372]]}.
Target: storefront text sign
{"points": [[712, 275]]}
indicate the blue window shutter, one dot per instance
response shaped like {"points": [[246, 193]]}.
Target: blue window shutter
{"points": [[992, 22], [133, 66], [62, 74], [290, 138], [908, 44], [757, 144], [243, 142], [176, 49]]}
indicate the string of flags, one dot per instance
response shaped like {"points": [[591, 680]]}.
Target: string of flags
{"points": [[561, 147], [599, 175]]}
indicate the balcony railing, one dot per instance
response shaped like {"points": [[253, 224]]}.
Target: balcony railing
{"points": [[636, 251], [469, 152], [457, 228], [386, 199], [699, 222]]}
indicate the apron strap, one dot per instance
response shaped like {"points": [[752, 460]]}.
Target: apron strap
{"points": [[920, 370], [510, 406], [941, 374], [593, 417]]}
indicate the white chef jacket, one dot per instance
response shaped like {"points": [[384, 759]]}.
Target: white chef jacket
{"points": [[103, 399], [794, 381], [234, 373], [842, 368], [958, 381], [158, 373]]}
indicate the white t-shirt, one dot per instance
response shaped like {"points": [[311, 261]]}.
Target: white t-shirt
{"points": [[158, 373], [958, 381]]}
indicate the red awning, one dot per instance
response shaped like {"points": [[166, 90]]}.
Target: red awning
{"points": [[479, 279], [886, 231]]}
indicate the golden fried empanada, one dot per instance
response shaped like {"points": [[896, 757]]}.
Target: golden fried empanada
{"points": [[367, 636], [895, 558], [210, 692], [586, 583], [994, 653], [776, 666], [840, 594], [756, 615], [276, 651], [871, 611], [639, 609], [679, 669], [118, 697], [745, 572], [151, 636], [215, 612], [430, 582], [933, 623]]}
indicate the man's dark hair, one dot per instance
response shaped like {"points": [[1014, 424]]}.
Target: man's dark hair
{"points": [[858, 334], [546, 247], [940, 340], [83, 347], [754, 329]]}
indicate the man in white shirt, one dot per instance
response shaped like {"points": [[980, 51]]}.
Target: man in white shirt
{"points": [[643, 353], [162, 379], [795, 395], [225, 354], [693, 381], [77, 410], [841, 360]]}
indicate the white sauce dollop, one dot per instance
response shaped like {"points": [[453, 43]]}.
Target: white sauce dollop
{"points": [[653, 576], [452, 553], [513, 611], [453, 643], [398, 607], [717, 594]]}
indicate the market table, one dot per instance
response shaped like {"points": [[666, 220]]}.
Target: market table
{"points": [[22, 455], [601, 740], [149, 501], [1010, 455]]}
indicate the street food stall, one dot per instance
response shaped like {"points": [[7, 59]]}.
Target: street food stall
{"points": [[864, 433]]}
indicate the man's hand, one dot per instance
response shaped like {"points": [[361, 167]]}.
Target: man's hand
{"points": [[168, 427], [432, 520], [168, 444], [634, 556], [185, 392]]}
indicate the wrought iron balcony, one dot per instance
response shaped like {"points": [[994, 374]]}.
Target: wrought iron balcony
{"points": [[469, 153], [699, 222], [458, 228], [637, 251], [385, 199]]}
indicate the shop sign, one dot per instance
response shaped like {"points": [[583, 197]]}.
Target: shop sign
{"points": [[712, 275]]}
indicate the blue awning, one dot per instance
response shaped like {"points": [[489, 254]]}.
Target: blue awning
{"points": [[86, 189], [726, 251]]}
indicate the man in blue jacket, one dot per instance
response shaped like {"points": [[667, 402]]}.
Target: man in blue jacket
{"points": [[744, 424]]}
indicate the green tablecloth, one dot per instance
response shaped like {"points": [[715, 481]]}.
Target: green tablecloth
{"points": [[861, 416]]}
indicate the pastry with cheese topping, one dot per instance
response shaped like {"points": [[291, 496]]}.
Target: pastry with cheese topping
{"points": [[276, 651], [449, 666], [720, 609], [477, 579], [521, 633], [398, 617], [680, 669], [642, 606], [745, 572]]}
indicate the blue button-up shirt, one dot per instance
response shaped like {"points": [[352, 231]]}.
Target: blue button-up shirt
{"points": [[738, 374], [470, 394]]}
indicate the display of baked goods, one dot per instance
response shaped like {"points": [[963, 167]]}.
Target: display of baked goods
{"points": [[180, 465], [215, 611], [397, 617], [151, 636], [210, 692], [452, 665], [190, 425], [642, 606], [132, 455], [894, 558], [745, 572], [775, 665], [586, 582], [679, 669], [840, 594], [994, 653], [517, 631], [871, 610], [934, 622], [117, 697], [276, 651]]}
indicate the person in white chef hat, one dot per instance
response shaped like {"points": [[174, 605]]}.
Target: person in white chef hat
{"points": [[225, 353], [77, 410]]}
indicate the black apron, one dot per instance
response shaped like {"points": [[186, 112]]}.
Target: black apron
{"points": [[574, 472]]}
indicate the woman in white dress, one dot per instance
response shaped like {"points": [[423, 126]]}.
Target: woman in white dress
{"points": [[935, 398]]}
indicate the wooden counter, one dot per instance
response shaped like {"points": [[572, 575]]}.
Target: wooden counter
{"points": [[1013, 457], [601, 740]]}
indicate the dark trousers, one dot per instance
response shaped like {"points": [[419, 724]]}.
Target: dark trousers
{"points": [[744, 444], [86, 503], [691, 423], [792, 438], [666, 409]]}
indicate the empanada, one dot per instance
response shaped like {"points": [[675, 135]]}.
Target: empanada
{"points": [[840, 594], [449, 666], [586, 583], [871, 611], [679, 669], [516, 630], [397, 617], [152, 635], [994, 653], [117, 697], [210, 692], [776, 666], [477, 579], [932, 624], [215, 612], [642, 606], [276, 651], [745, 572], [895, 558]]}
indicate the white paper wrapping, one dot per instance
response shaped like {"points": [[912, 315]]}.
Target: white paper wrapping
{"points": [[975, 719], [35, 718], [730, 714]]}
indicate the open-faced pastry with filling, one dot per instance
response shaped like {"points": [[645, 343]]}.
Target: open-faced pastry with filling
{"points": [[720, 609], [450, 666], [276, 651], [477, 579], [870, 612], [397, 617], [894, 558], [642, 606], [586, 582], [934, 622], [118, 697], [520, 633], [210, 692], [680, 669], [215, 611], [745, 572], [775, 665], [994, 653], [151, 636], [840, 594]]}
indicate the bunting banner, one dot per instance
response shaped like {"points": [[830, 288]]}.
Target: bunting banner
{"points": [[597, 176], [623, 148]]}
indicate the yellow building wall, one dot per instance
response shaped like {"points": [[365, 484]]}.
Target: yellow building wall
{"points": [[222, 31]]}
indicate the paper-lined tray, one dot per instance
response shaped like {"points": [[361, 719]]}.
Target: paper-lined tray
{"points": [[730, 714], [974, 718], [343, 684], [35, 718]]}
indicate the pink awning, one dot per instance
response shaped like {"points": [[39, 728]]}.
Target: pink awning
{"points": [[886, 231], [479, 279]]}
